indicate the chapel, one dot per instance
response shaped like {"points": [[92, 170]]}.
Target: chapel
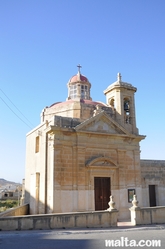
{"points": [[84, 150]]}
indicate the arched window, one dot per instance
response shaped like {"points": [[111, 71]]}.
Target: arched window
{"points": [[112, 103], [127, 118]]}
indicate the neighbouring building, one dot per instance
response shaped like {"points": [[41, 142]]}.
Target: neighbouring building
{"points": [[83, 151]]}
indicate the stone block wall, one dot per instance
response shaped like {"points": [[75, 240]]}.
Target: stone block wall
{"points": [[153, 173], [65, 220]]}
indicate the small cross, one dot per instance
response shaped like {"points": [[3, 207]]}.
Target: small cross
{"points": [[119, 77], [79, 66]]}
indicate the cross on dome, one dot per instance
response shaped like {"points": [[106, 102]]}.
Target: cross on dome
{"points": [[79, 66]]}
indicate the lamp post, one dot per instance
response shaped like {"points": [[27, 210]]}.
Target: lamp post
{"points": [[18, 194]]}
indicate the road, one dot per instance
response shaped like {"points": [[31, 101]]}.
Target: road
{"points": [[79, 238]]}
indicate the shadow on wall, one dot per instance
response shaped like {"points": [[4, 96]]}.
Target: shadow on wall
{"points": [[36, 206]]}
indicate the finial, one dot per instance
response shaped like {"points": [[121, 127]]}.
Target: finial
{"points": [[111, 204], [135, 202], [79, 66], [119, 77]]}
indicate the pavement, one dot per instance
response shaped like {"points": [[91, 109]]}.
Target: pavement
{"points": [[122, 227], [81, 238]]}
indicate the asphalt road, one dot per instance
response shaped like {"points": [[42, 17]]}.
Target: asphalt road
{"points": [[80, 238]]}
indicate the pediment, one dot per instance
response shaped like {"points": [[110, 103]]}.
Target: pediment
{"points": [[101, 162], [101, 123]]}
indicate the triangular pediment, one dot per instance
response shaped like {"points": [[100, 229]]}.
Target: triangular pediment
{"points": [[101, 123]]}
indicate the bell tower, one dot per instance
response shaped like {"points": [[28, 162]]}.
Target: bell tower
{"points": [[120, 96]]}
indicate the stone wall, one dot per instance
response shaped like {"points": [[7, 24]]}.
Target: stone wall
{"points": [[65, 220]]}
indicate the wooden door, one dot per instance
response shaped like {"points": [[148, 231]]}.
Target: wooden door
{"points": [[102, 192], [152, 195]]}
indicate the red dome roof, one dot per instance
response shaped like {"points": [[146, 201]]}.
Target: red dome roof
{"points": [[78, 77]]}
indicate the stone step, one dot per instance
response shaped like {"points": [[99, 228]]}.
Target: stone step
{"points": [[124, 223]]}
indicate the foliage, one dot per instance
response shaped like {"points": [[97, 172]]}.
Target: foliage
{"points": [[4, 205]]}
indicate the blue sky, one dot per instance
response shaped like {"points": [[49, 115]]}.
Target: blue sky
{"points": [[41, 42]]}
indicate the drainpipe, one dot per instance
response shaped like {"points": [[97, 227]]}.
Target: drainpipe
{"points": [[46, 167]]}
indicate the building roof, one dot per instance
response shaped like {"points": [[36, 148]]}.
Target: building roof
{"points": [[84, 101]]}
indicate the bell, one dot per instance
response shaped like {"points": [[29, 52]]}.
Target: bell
{"points": [[126, 106]]}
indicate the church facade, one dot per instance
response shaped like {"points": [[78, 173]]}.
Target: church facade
{"points": [[83, 151]]}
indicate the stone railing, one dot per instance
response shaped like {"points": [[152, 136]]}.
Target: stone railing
{"points": [[146, 215], [64, 220], [21, 210], [104, 218]]}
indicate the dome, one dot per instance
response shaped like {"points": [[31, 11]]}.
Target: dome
{"points": [[71, 101], [78, 77], [79, 86]]}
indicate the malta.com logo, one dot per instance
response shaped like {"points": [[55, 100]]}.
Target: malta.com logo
{"points": [[125, 242]]}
